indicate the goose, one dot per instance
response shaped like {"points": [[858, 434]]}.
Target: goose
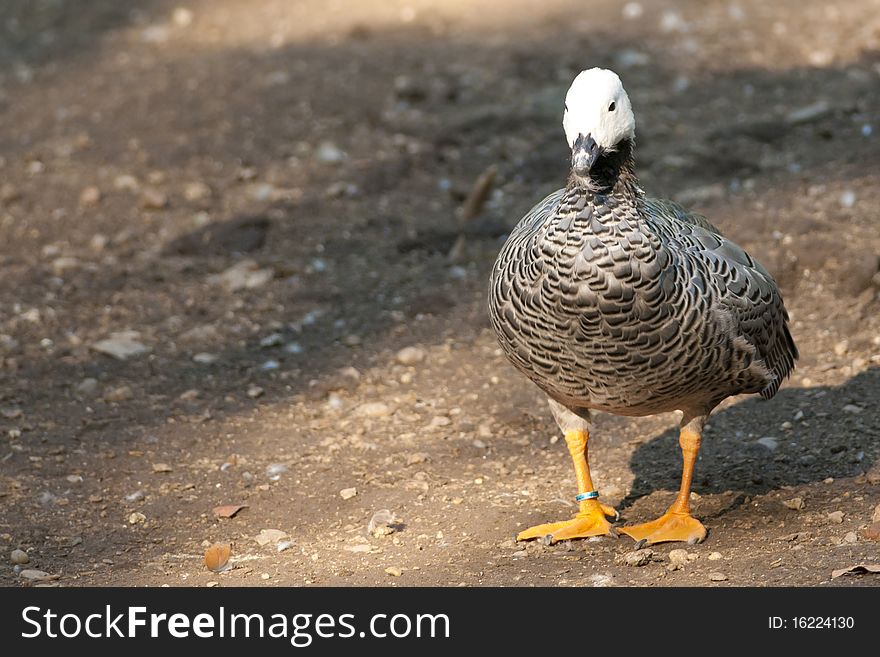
{"points": [[612, 301]]}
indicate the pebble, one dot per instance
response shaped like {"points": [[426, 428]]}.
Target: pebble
{"points": [[394, 571], [795, 503], [374, 409], [717, 577], [8, 193], [348, 493], [246, 275], [678, 558], [769, 442], [255, 391], [715, 556], [35, 575], [204, 358], [851, 537], [196, 191], [841, 348], [126, 182], [136, 496], [876, 516], [275, 469], [328, 152], [852, 408], [87, 386], [637, 558], [798, 416], [293, 348], [121, 345], [379, 523], [848, 198], [153, 199], [90, 195], [872, 531], [632, 10], [120, 394], [19, 557], [411, 355], [836, 517], [440, 421], [182, 17], [136, 518], [271, 340], [267, 536]]}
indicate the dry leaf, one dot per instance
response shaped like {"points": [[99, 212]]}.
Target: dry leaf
{"points": [[228, 510], [856, 570], [217, 557]]}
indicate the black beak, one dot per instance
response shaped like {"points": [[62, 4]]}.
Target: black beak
{"points": [[584, 154]]}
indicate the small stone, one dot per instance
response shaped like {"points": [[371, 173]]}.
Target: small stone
{"points": [[873, 475], [678, 558], [153, 199], [204, 358], [717, 577], [136, 518], [841, 348], [328, 152], [851, 537], [379, 524], [189, 395], [246, 275], [35, 575], [267, 536], [411, 355], [126, 182], [87, 386], [196, 191], [440, 421], [271, 340], [255, 391], [848, 198], [374, 409], [637, 558], [795, 503], [182, 17], [836, 517], [120, 394], [632, 10], [90, 195], [769, 442], [394, 571], [715, 556], [162, 467], [872, 531], [798, 416], [19, 557], [876, 516], [8, 193], [416, 457], [852, 408], [348, 493], [121, 345]]}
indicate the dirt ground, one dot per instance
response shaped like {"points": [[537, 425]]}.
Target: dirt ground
{"points": [[262, 201]]}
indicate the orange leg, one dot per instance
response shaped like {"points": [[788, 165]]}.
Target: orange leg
{"points": [[676, 524], [590, 520]]}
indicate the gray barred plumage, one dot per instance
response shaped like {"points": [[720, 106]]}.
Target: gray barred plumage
{"points": [[613, 301]]}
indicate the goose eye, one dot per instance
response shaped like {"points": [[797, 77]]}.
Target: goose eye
{"points": [[612, 106]]}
